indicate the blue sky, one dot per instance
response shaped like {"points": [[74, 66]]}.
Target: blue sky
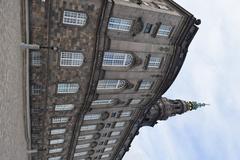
{"points": [[210, 74]]}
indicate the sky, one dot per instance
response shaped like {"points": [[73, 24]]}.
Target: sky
{"points": [[210, 74]]}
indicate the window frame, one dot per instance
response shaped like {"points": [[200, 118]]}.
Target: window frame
{"points": [[90, 127], [56, 131], [111, 84], [117, 59], [145, 85], [165, 30], [56, 141], [101, 102], [55, 150], [67, 88], [119, 124], [71, 59], [35, 58], [80, 18], [154, 62], [58, 120], [63, 107], [93, 116], [119, 24]]}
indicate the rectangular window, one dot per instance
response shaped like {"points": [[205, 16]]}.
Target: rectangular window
{"points": [[36, 89], [60, 119], [80, 154], [135, 101], [58, 131], [154, 62], [125, 114], [71, 59], [85, 137], [74, 18], [64, 107], [146, 84], [110, 84], [105, 156], [119, 124], [92, 116], [164, 30], [56, 141], [55, 158], [108, 149], [115, 133], [119, 24], [102, 101], [36, 58], [88, 127], [112, 141], [80, 146], [148, 28], [55, 150], [67, 88]]}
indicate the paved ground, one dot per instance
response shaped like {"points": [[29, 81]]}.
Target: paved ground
{"points": [[12, 138]]}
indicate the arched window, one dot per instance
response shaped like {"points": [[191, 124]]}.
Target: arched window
{"points": [[71, 59], [117, 59], [74, 18], [111, 84]]}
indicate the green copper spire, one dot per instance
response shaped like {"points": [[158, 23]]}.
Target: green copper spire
{"points": [[191, 105]]}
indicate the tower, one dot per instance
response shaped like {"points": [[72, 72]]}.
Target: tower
{"points": [[166, 108]]}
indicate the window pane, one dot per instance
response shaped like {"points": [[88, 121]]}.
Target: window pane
{"points": [[74, 18], [146, 84], [56, 141], [55, 150], [102, 101], [80, 154], [58, 131], [164, 30], [154, 62], [71, 59], [85, 137], [36, 58], [36, 89], [79, 146], [135, 101], [59, 120], [67, 88], [92, 116], [55, 158], [64, 107], [87, 128], [119, 124], [125, 114], [119, 24], [112, 141], [117, 59], [115, 133], [110, 84]]}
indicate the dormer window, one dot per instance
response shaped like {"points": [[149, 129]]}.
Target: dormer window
{"points": [[117, 59]]}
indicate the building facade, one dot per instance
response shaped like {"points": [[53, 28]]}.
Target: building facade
{"points": [[101, 71]]}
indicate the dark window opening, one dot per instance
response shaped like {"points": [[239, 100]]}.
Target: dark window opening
{"points": [[148, 28]]}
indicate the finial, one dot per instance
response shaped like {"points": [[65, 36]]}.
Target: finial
{"points": [[195, 105]]}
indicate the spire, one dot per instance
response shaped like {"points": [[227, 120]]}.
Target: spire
{"points": [[192, 105]]}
